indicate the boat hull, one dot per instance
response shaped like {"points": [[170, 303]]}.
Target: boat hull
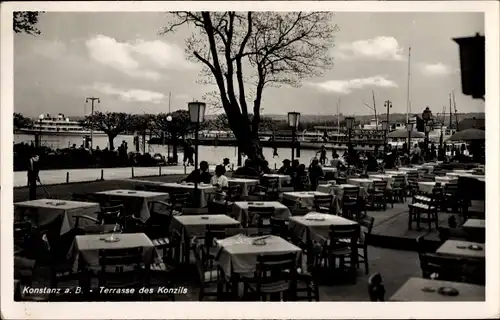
{"points": [[61, 133]]}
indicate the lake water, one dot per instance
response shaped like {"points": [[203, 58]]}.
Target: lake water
{"points": [[211, 154]]}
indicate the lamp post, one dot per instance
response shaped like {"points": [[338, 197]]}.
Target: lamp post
{"points": [[409, 128], [428, 128], [385, 128], [349, 123], [196, 115], [169, 119], [293, 122]]}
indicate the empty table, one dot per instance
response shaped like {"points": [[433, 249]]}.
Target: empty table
{"points": [[315, 226], [136, 199], [238, 254], [474, 224], [245, 184], [87, 247], [305, 199], [426, 186], [465, 249], [43, 211], [419, 289], [360, 182], [240, 210], [204, 190], [282, 178]]}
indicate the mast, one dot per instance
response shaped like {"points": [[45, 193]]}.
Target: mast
{"points": [[408, 85], [375, 110], [455, 107], [169, 98], [338, 117], [450, 110]]}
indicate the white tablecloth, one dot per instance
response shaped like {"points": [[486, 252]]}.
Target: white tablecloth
{"points": [[395, 173], [237, 254], [245, 184], [43, 211], [240, 209], [339, 190], [446, 179], [405, 169], [205, 190], [315, 225], [139, 197], [365, 183], [304, 198], [88, 246], [466, 175], [196, 225], [426, 186], [283, 179]]}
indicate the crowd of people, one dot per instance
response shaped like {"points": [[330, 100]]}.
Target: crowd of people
{"points": [[80, 157]]}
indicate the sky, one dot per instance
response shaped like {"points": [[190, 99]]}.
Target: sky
{"points": [[121, 58]]}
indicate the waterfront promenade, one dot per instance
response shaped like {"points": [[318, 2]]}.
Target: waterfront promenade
{"points": [[50, 177]]}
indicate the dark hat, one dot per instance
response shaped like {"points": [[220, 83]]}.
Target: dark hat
{"points": [[286, 161]]}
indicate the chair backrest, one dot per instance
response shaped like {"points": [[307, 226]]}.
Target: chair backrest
{"points": [[398, 180], [270, 183], [451, 188], [213, 232], [448, 268], [22, 232], [351, 192], [366, 225], [279, 227], [234, 193], [179, 200], [131, 224], [270, 268], [200, 263], [111, 214], [376, 289], [113, 272], [323, 201], [412, 175], [338, 232], [428, 177], [263, 212], [379, 184]]}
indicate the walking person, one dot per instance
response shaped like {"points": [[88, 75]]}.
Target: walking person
{"points": [[33, 170]]}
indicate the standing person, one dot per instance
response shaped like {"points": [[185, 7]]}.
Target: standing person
{"points": [[322, 156], [33, 171], [226, 164], [315, 174]]}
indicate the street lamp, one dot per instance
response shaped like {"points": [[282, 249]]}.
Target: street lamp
{"points": [[169, 119], [196, 115], [427, 128], [293, 122], [349, 123], [409, 128]]}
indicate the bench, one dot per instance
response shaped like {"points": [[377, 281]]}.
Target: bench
{"points": [[422, 208]]}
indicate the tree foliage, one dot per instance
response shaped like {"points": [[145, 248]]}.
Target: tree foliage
{"points": [[111, 123], [21, 122], [25, 22], [243, 53]]}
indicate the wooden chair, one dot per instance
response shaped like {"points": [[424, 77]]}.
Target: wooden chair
{"points": [[208, 276], [123, 268], [107, 215], [345, 251], [350, 202], [376, 289], [279, 228], [377, 195], [22, 235], [424, 209], [366, 226], [398, 189], [306, 282], [428, 177], [324, 203], [451, 197], [260, 218], [234, 193], [275, 275], [179, 201]]}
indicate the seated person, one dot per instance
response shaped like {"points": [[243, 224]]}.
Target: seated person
{"points": [[219, 180], [371, 163], [286, 168], [247, 170], [299, 178], [226, 164], [265, 167], [200, 175]]}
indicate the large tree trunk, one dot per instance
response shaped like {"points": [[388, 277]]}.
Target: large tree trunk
{"points": [[111, 139], [249, 143]]}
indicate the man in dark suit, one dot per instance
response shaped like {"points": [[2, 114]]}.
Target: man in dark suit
{"points": [[33, 170], [201, 175]]}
